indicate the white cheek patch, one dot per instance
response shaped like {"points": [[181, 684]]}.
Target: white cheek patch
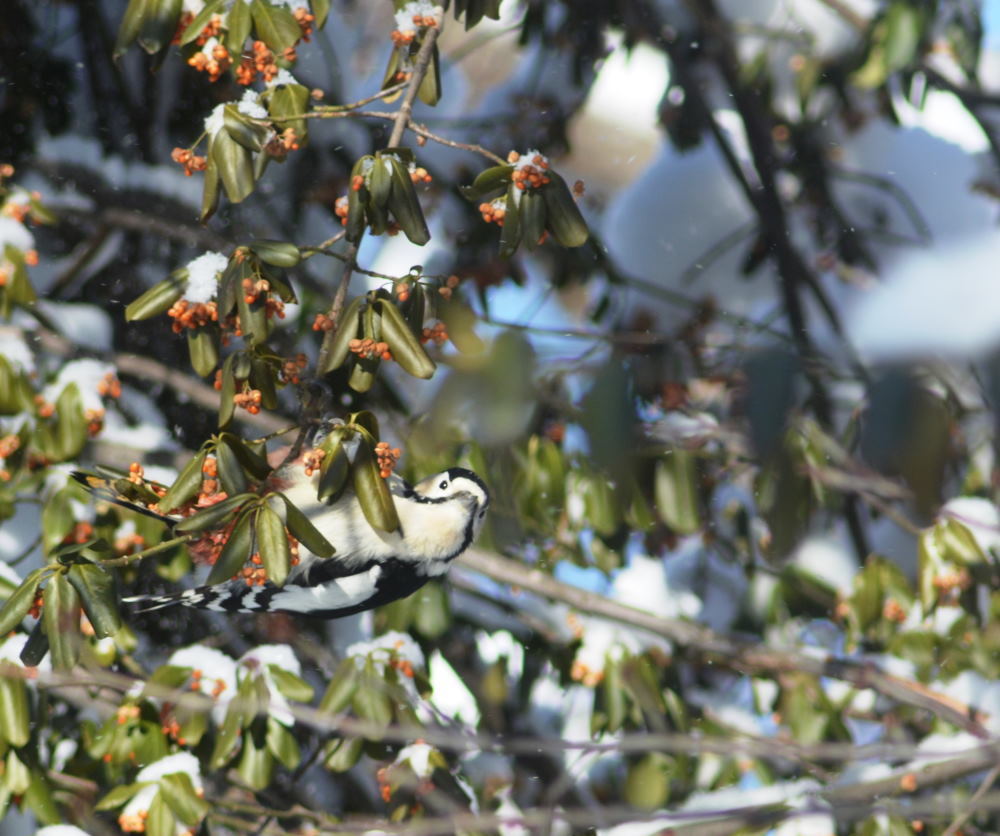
{"points": [[334, 595]]}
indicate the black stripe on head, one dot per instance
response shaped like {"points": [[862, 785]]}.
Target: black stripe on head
{"points": [[456, 472]]}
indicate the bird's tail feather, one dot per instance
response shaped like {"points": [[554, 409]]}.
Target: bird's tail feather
{"points": [[232, 596]]}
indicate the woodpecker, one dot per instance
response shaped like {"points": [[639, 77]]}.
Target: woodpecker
{"points": [[439, 517]]}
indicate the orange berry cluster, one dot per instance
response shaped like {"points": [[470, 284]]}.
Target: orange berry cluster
{"points": [[95, 421], [192, 315], [893, 611], [109, 386], [494, 211], [129, 544], [209, 477], [212, 30], [404, 666], [135, 473], [438, 333], [402, 290], [133, 822], [340, 208], [215, 64], [255, 575], [35, 609], [292, 368], [402, 37], [580, 672], [126, 713], [249, 400], [252, 289], [950, 584], [45, 409], [312, 460], [305, 21], [81, 533], [370, 348], [9, 445], [529, 176], [420, 175], [261, 60], [357, 181], [187, 158], [387, 457], [323, 323]]}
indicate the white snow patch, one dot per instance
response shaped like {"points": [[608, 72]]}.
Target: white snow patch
{"points": [[828, 561], [384, 646], [283, 77], [15, 233], [250, 105], [15, 349], [216, 120], [944, 301], [419, 757], [203, 276], [980, 516], [451, 697], [87, 374]]}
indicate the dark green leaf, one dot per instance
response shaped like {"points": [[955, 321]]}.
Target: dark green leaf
{"points": [[372, 490], [273, 545], [16, 607], [230, 470], [275, 25], [340, 691], [235, 553], [257, 764], [195, 27], [203, 346], [119, 795], [243, 129], [61, 620], [96, 589], [179, 793], [159, 298], [159, 24], [405, 347], [237, 26], [278, 253], [563, 216], [235, 166], [15, 717], [213, 516], [405, 205], [131, 23], [282, 744], [186, 486], [304, 531]]}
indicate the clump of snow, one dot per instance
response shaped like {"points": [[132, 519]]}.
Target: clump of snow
{"points": [[15, 349], [944, 301], [423, 8], [181, 762], [501, 644], [216, 120], [381, 648], [451, 696], [828, 561], [203, 276], [61, 830], [282, 77], [419, 757], [256, 663], [16, 233], [250, 105], [87, 374]]}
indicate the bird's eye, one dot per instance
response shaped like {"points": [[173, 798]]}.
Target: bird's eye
{"points": [[444, 485]]}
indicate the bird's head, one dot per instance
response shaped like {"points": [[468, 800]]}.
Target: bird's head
{"points": [[457, 484]]}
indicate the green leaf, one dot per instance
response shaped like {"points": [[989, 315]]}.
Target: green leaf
{"points": [[243, 129], [340, 691], [429, 91], [320, 8], [563, 216], [36, 647], [159, 24], [489, 182], [405, 206], [235, 553], [213, 516], [904, 26], [210, 191], [290, 685], [336, 342], [185, 486], [230, 470], [161, 821], [159, 298], [275, 25], [304, 531], [460, 321], [61, 620], [405, 347], [676, 490], [257, 764], [16, 607], [96, 589], [371, 699], [253, 462], [372, 491], [193, 29], [613, 694], [432, 611], [647, 786], [15, 717], [288, 100], [235, 167], [71, 426], [510, 232], [178, 792], [203, 347], [277, 253], [380, 180], [282, 744], [238, 22], [273, 545], [335, 469], [131, 23], [533, 213], [120, 795], [340, 755]]}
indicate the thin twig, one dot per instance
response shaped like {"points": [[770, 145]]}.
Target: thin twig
{"points": [[420, 66]]}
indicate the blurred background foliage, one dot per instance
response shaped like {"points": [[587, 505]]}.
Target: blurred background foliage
{"points": [[740, 569]]}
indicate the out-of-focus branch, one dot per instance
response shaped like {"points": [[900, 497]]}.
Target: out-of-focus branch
{"points": [[717, 648], [420, 66]]}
